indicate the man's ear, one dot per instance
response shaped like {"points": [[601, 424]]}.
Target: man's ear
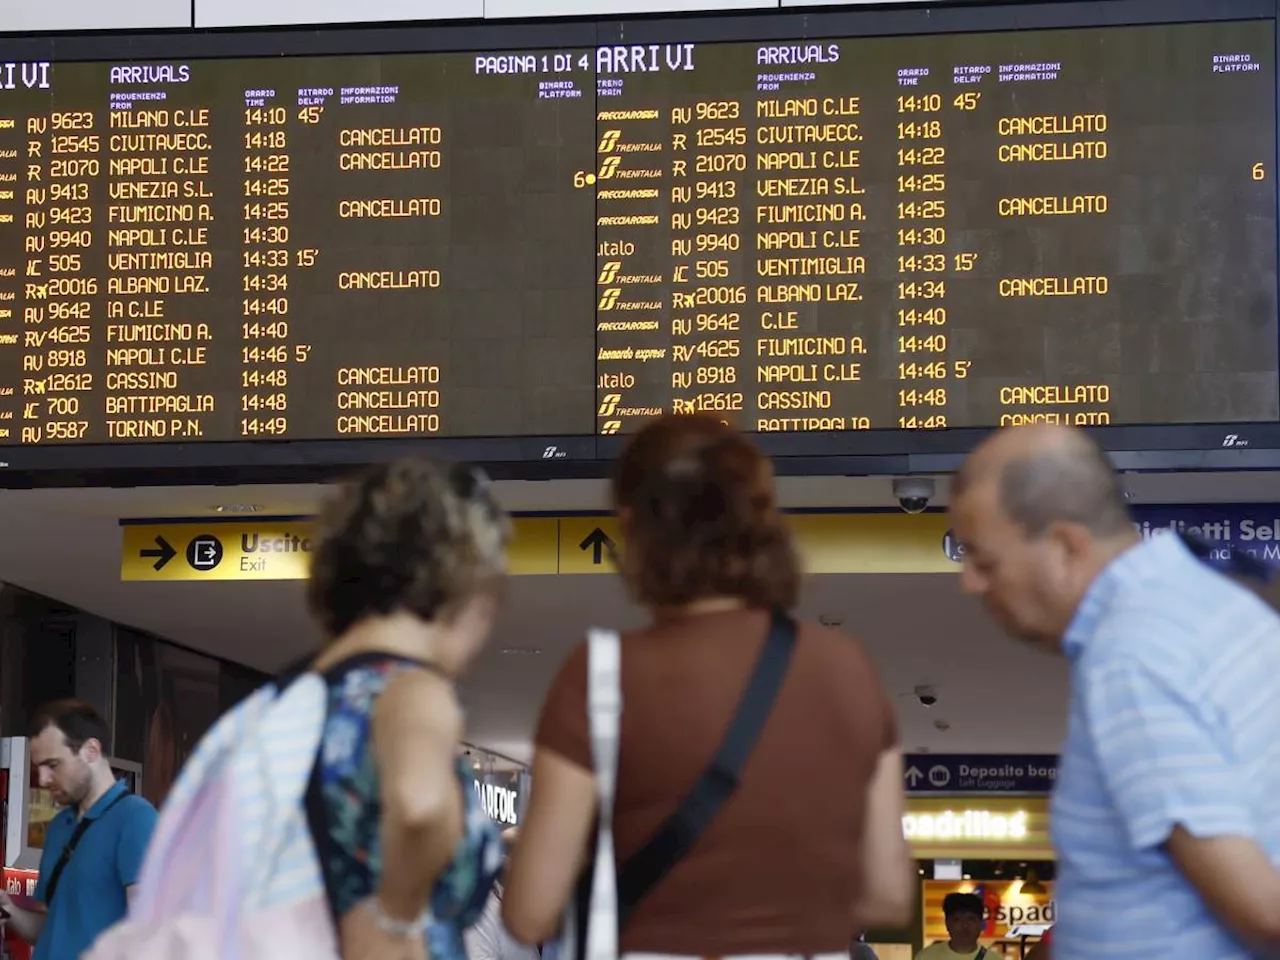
{"points": [[92, 750], [1074, 540]]}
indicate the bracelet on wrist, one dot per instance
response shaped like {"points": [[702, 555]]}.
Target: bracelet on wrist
{"points": [[407, 929]]}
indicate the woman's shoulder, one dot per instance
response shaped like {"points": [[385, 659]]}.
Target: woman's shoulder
{"points": [[693, 639], [834, 642]]}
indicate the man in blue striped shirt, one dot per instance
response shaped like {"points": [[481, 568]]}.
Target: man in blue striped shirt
{"points": [[1166, 818]]}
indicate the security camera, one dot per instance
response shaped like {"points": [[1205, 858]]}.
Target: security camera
{"points": [[913, 493], [926, 695]]}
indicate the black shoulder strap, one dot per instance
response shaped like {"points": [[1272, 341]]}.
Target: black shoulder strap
{"points": [[646, 868], [313, 799], [318, 823], [81, 829], [347, 664]]}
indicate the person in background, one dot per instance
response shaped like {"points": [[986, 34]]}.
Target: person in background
{"points": [[964, 915], [781, 868], [1043, 950], [405, 583], [94, 848], [1164, 813], [488, 939]]}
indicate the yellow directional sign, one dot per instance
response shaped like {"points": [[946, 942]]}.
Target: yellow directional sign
{"points": [[270, 550], [875, 542], [281, 549], [828, 542], [587, 544]]}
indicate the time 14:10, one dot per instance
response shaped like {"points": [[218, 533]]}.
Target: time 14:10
{"points": [[932, 102]]}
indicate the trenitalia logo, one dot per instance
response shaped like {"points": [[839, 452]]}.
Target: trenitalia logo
{"points": [[611, 406], [609, 301], [609, 168], [609, 141], [610, 427], [612, 273]]}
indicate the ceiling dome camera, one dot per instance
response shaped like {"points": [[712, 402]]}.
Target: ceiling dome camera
{"points": [[927, 696], [914, 493]]}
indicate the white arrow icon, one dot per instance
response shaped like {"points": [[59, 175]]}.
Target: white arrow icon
{"points": [[913, 776]]}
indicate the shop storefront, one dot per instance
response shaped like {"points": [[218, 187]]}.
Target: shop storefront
{"points": [[979, 825], [501, 784], [1017, 910]]}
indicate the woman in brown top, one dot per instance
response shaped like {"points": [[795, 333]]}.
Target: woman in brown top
{"points": [[809, 850]]}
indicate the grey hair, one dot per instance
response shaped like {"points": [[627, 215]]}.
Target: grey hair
{"points": [[1071, 482]]}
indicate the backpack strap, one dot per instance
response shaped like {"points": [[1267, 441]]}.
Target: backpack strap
{"points": [[313, 799], [599, 933], [318, 824], [719, 781], [269, 772], [208, 760], [615, 892]]}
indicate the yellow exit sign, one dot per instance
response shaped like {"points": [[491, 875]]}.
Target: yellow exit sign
{"points": [[274, 549]]}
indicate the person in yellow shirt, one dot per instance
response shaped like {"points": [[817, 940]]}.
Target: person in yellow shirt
{"points": [[963, 913]]}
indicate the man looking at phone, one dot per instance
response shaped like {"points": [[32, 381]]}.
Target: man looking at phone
{"points": [[94, 847]]}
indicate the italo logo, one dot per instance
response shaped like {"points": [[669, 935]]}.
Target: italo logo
{"points": [[965, 825], [609, 141]]}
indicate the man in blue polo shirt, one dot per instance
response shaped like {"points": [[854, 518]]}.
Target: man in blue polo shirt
{"points": [[93, 848], [1164, 816]]}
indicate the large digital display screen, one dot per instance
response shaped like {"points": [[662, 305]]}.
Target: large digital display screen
{"points": [[826, 235]]}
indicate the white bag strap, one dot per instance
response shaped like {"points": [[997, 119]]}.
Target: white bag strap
{"points": [[604, 710]]}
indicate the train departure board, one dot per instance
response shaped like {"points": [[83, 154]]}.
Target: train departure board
{"points": [[917, 232]]}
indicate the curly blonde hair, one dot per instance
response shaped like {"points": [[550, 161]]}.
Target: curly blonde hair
{"points": [[412, 536]]}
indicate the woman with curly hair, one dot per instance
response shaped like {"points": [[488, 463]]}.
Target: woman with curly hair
{"points": [[405, 583]]}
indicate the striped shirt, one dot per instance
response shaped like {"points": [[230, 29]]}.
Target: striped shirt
{"points": [[1174, 720]]}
